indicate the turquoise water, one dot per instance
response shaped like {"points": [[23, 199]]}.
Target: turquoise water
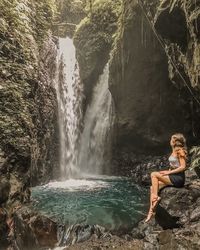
{"points": [[113, 202]]}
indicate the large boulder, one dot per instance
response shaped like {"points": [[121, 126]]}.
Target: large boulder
{"points": [[31, 230], [177, 221]]}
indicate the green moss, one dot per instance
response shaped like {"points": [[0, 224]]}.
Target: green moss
{"points": [[102, 20], [24, 26], [45, 11], [93, 39], [71, 11]]}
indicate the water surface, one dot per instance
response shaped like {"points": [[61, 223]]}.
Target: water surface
{"points": [[113, 202]]}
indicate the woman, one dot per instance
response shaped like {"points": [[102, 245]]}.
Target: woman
{"points": [[175, 176]]}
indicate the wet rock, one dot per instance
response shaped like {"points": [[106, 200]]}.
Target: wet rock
{"points": [[79, 233], [32, 230]]}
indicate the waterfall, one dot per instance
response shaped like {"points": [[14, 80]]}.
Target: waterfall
{"points": [[96, 137], [84, 146], [69, 95]]}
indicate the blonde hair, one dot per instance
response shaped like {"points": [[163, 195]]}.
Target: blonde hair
{"points": [[180, 145]]}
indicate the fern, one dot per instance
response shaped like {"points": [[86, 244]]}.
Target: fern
{"points": [[195, 160]]}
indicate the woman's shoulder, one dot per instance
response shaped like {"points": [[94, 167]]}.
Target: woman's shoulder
{"points": [[181, 152]]}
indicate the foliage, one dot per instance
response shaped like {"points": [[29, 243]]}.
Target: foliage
{"points": [[24, 26], [99, 25], [195, 160], [93, 39], [71, 11], [45, 11]]}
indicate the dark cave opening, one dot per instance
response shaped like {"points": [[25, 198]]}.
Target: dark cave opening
{"points": [[173, 27]]}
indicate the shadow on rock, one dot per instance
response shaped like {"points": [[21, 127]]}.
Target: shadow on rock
{"points": [[165, 220]]}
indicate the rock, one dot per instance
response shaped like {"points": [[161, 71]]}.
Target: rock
{"points": [[143, 93], [3, 229], [3, 162], [32, 230], [28, 103], [182, 38], [176, 224], [114, 242], [137, 166], [195, 215], [93, 47], [4, 190]]}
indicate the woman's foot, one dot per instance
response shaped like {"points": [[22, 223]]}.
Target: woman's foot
{"points": [[150, 215]]}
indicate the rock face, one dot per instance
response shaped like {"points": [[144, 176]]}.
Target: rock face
{"points": [[93, 40], [30, 230], [178, 24], [150, 102], [45, 146], [70, 14], [28, 106]]}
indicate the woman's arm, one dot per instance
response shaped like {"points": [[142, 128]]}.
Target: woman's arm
{"points": [[179, 169]]}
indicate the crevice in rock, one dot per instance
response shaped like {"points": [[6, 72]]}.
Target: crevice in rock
{"points": [[165, 220], [173, 27]]}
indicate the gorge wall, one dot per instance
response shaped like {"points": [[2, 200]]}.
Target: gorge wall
{"points": [[28, 106], [93, 39], [154, 58], [151, 99]]}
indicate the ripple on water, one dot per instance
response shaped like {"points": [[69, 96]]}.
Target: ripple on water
{"points": [[115, 203]]}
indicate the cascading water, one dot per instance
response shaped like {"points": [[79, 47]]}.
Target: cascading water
{"points": [[89, 153], [96, 136], [69, 95], [113, 202]]}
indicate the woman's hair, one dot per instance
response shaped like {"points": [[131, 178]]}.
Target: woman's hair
{"points": [[180, 145]]}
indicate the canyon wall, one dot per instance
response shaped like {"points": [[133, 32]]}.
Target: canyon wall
{"points": [[154, 69], [93, 39], [28, 105], [150, 104]]}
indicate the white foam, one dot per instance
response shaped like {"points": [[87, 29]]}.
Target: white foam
{"points": [[77, 184]]}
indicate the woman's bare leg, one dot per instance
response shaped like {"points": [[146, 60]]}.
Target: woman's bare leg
{"points": [[155, 178], [158, 182]]}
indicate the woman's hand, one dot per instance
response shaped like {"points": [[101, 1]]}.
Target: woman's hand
{"points": [[165, 172]]}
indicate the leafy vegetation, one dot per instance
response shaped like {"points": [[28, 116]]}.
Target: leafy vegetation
{"points": [[94, 37], [102, 18], [24, 26], [71, 11], [195, 160]]}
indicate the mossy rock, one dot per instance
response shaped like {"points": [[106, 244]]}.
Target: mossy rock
{"points": [[93, 40]]}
